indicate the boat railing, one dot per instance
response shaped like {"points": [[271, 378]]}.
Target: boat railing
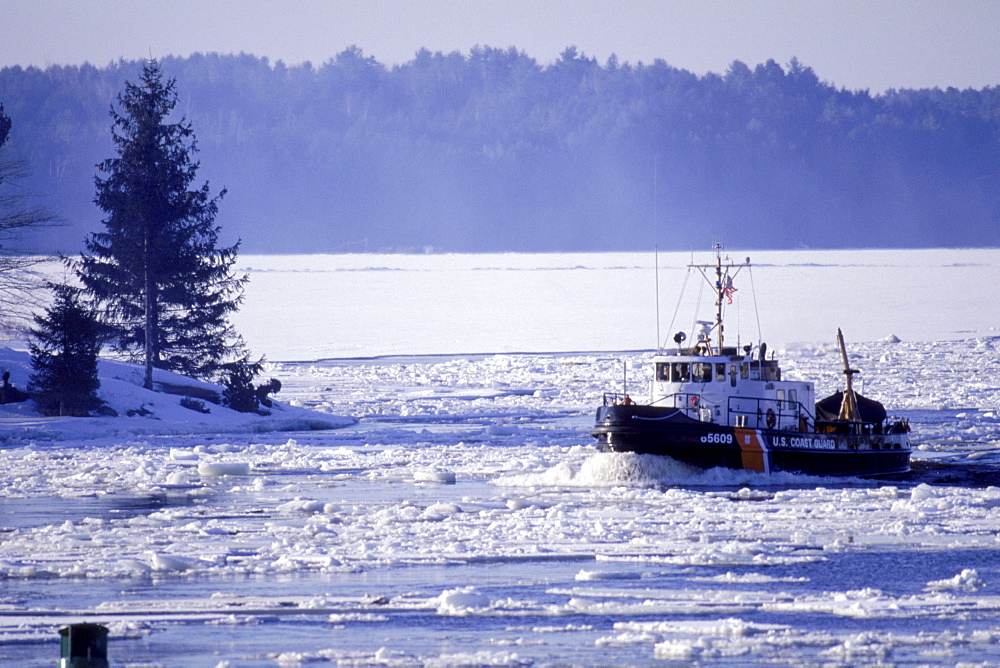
{"points": [[617, 399], [758, 413], [861, 427], [690, 403], [748, 412]]}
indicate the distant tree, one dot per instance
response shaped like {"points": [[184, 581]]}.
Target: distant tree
{"points": [[18, 287], [155, 272], [4, 126], [66, 343]]}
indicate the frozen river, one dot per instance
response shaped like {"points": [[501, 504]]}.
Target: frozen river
{"points": [[466, 518]]}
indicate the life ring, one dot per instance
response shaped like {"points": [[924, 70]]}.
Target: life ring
{"points": [[771, 419], [694, 402]]}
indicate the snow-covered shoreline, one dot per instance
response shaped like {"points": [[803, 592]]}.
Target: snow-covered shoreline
{"points": [[138, 411]]}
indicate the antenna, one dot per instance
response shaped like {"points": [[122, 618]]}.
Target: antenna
{"points": [[656, 249], [656, 261]]}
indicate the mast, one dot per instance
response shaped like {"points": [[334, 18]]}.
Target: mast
{"points": [[719, 290], [723, 286], [849, 405]]}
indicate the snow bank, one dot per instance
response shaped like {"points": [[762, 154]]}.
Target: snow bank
{"points": [[144, 412]]}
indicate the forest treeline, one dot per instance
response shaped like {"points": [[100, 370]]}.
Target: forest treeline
{"points": [[491, 151]]}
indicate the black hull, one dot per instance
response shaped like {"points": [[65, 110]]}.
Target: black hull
{"points": [[669, 432]]}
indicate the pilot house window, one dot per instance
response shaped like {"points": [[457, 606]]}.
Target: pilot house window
{"points": [[701, 372]]}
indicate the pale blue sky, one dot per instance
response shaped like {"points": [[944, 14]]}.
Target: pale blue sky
{"points": [[873, 44]]}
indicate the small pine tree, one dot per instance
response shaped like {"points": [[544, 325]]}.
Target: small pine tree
{"points": [[67, 341], [240, 393]]}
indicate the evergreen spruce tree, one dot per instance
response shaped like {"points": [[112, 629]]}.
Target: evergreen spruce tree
{"points": [[155, 272], [66, 343]]}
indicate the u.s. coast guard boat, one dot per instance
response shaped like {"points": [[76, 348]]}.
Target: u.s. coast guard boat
{"points": [[712, 405]]}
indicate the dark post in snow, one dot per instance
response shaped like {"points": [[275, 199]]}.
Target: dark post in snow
{"points": [[83, 646]]}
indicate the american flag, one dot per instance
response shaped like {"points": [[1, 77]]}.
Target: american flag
{"points": [[729, 290]]}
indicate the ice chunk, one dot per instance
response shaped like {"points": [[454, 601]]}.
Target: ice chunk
{"points": [[223, 468], [298, 505], [440, 511], [675, 651], [967, 580], [177, 478], [435, 475], [589, 576], [462, 601], [183, 455], [167, 562]]}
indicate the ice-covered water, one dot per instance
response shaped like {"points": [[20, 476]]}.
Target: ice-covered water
{"points": [[364, 305], [468, 519]]}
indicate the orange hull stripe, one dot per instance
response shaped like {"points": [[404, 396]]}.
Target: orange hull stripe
{"points": [[754, 453]]}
